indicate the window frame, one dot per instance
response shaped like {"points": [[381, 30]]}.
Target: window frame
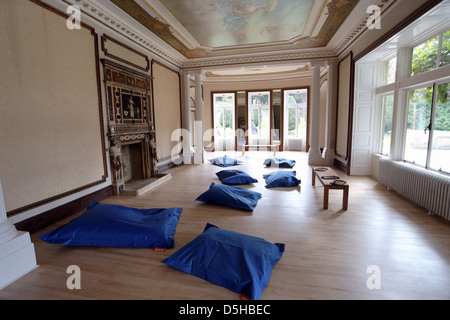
{"points": [[259, 108], [231, 108], [438, 55], [404, 83], [382, 113], [297, 108]]}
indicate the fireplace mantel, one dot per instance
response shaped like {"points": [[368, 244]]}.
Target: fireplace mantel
{"points": [[130, 120]]}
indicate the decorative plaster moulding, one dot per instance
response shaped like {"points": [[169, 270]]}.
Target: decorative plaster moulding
{"points": [[356, 23], [294, 56], [105, 13], [246, 78], [121, 24]]}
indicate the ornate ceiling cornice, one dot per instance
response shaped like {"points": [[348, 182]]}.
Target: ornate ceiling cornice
{"points": [[360, 27], [246, 59], [249, 78], [120, 24]]}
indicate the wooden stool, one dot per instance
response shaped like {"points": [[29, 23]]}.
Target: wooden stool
{"points": [[327, 184]]}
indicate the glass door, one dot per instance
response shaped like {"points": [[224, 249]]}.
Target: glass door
{"points": [[295, 119], [259, 118], [224, 121]]}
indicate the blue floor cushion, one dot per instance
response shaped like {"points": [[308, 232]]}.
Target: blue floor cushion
{"points": [[235, 177], [231, 196], [236, 261], [225, 161], [118, 226], [281, 179], [279, 162]]}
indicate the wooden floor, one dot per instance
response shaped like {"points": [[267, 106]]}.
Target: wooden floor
{"points": [[327, 252]]}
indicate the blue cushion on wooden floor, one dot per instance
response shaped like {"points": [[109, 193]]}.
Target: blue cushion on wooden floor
{"points": [[230, 196], [225, 161], [279, 162], [281, 179], [118, 226], [223, 174], [235, 177], [236, 261]]}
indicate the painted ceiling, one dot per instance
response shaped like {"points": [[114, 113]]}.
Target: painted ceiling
{"points": [[216, 23], [211, 28]]}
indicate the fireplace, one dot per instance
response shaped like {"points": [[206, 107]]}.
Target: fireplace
{"points": [[133, 167], [131, 127]]}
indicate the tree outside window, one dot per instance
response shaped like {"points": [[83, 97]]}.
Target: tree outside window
{"points": [[428, 127], [432, 54]]}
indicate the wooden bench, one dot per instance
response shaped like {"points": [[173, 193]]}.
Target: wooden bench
{"points": [[328, 184], [273, 147]]}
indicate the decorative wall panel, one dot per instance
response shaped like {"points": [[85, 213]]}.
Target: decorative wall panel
{"points": [[51, 118]]}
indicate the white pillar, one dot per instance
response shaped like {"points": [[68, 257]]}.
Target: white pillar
{"points": [[198, 131], [7, 229], [17, 256], [330, 137], [315, 157], [186, 123]]}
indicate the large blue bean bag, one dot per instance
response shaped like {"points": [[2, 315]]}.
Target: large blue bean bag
{"points": [[231, 196], [235, 177], [281, 179], [238, 262], [225, 161], [279, 162], [118, 226]]}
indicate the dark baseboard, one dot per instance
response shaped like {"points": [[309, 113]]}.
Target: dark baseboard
{"points": [[340, 165], [168, 165], [54, 215]]}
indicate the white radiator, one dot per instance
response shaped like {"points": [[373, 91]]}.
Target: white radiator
{"points": [[429, 189], [295, 144]]}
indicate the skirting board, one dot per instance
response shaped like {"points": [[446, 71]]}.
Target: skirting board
{"points": [[17, 258], [52, 216]]}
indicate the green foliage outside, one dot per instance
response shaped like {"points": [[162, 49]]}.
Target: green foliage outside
{"points": [[224, 114], [419, 113], [425, 58], [295, 100]]}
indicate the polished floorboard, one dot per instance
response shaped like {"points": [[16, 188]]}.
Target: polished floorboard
{"points": [[382, 239]]}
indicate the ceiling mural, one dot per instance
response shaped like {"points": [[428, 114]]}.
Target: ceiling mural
{"points": [[226, 27], [221, 23]]}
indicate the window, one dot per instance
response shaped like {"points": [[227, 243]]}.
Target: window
{"points": [[445, 49], [296, 107], [431, 54], [224, 120], [388, 109], [390, 68], [417, 132], [440, 142], [259, 115], [428, 128]]}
